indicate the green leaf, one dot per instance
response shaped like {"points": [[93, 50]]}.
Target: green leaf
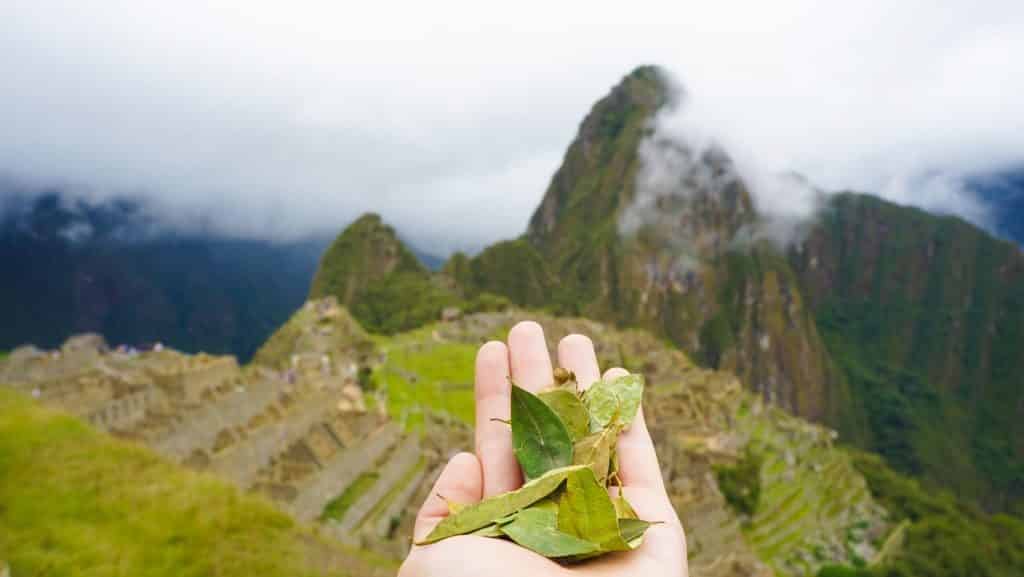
{"points": [[540, 440], [614, 401], [623, 510], [568, 406], [632, 531], [492, 530], [537, 530], [486, 512], [585, 510], [595, 451]]}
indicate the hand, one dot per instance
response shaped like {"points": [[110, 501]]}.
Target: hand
{"points": [[468, 478]]}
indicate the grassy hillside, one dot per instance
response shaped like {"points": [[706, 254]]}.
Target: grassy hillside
{"points": [[76, 502]]}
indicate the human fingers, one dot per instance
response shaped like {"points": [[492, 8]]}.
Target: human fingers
{"points": [[528, 356], [460, 482], [576, 353], [493, 437]]}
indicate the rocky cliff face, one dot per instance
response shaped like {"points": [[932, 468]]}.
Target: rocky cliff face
{"points": [[645, 229]]}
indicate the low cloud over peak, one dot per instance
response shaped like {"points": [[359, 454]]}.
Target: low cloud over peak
{"points": [[284, 123]]}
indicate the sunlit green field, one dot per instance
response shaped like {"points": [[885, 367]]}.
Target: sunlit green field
{"points": [[418, 373]]}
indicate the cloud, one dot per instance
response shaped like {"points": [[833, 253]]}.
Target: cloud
{"points": [[282, 121]]}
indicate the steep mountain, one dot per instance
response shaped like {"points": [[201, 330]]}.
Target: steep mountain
{"points": [[388, 289], [73, 266], [364, 254], [899, 328], [644, 230], [925, 315]]}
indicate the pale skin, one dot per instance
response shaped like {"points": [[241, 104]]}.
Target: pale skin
{"points": [[492, 470]]}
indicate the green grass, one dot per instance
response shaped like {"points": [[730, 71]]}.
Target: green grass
{"points": [[419, 374], [741, 483], [76, 502], [337, 507]]}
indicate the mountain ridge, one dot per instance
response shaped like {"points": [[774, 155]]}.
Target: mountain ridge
{"points": [[674, 253]]}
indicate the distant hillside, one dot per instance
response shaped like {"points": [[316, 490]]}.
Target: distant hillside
{"points": [[388, 289], [924, 314], [74, 267]]}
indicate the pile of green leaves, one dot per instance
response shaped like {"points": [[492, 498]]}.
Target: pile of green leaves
{"points": [[565, 443]]}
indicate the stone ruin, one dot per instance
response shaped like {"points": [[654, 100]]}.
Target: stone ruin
{"points": [[305, 434], [300, 434]]}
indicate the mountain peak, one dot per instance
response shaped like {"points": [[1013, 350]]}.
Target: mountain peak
{"points": [[597, 172], [366, 251]]}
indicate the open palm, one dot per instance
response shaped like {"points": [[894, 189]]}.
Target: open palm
{"points": [[468, 478]]}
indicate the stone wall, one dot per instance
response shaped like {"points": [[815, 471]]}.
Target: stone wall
{"points": [[243, 461], [341, 471], [124, 412], [189, 381], [202, 426], [399, 463]]}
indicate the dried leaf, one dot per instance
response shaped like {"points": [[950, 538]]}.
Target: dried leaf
{"points": [[492, 530], [614, 401], [537, 530], [568, 406], [632, 531], [595, 451], [585, 510], [540, 440], [486, 512], [623, 510]]}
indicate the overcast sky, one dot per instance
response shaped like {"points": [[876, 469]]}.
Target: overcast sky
{"points": [[288, 119]]}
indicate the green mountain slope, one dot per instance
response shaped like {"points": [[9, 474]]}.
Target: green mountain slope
{"points": [[925, 315], [899, 328], [659, 251]]}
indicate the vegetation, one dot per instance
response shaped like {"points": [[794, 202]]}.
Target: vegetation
{"points": [[401, 301], [741, 483], [136, 286], [841, 571], [76, 502], [364, 253], [925, 316], [419, 374], [513, 268], [337, 507], [946, 537]]}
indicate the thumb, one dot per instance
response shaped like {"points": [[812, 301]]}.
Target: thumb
{"points": [[460, 482]]}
